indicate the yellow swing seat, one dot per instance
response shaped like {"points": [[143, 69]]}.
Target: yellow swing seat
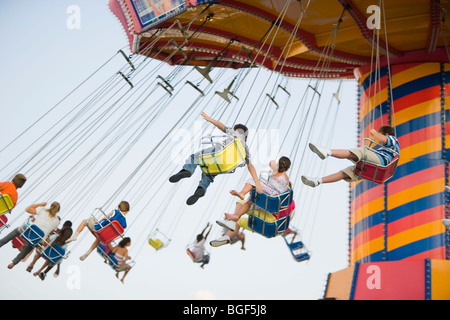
{"points": [[6, 203], [155, 243], [158, 240], [225, 160]]}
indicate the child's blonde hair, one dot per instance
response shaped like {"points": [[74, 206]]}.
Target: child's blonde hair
{"points": [[54, 209]]}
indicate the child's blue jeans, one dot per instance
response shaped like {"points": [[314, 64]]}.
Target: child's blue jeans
{"points": [[192, 163]]}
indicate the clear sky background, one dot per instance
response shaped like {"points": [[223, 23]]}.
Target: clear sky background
{"points": [[42, 60]]}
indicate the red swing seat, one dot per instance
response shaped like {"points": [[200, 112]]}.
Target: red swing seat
{"points": [[18, 243], [110, 232], [374, 172]]}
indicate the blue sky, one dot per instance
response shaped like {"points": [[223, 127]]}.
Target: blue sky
{"points": [[41, 62]]}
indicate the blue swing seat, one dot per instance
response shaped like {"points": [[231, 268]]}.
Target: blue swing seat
{"points": [[302, 257], [270, 203], [33, 235], [268, 229], [298, 250], [53, 254], [112, 261]]}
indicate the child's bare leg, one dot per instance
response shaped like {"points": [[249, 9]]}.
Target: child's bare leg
{"points": [[340, 175], [343, 154], [42, 268], [124, 275], [241, 210], [31, 265], [77, 232], [247, 188], [241, 237], [231, 234], [92, 248]]}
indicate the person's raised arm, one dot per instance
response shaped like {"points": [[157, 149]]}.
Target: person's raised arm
{"points": [[254, 175], [207, 225], [218, 124], [207, 234], [382, 139], [32, 209]]}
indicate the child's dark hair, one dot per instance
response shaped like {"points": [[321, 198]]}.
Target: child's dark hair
{"points": [[199, 237], [124, 206], [65, 234], [124, 242], [387, 130], [241, 127], [19, 180], [284, 164]]}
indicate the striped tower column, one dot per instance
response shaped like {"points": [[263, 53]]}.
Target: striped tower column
{"points": [[401, 219]]}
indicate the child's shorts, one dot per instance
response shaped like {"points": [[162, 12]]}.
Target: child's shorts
{"points": [[359, 152]]}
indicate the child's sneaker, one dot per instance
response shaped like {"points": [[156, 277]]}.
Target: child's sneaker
{"points": [[446, 222], [229, 224], [200, 192], [180, 175], [447, 188], [220, 242], [321, 152], [312, 182]]}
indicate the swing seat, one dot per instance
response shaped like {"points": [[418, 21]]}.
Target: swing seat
{"points": [[190, 254], [53, 254], [158, 240], [376, 173], [302, 257], [155, 243], [109, 232], [225, 160], [265, 228], [18, 242], [296, 245], [112, 261], [33, 235], [297, 250], [272, 204], [3, 221], [6, 203]]}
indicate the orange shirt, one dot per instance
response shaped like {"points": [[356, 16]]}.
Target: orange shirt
{"points": [[10, 189]]}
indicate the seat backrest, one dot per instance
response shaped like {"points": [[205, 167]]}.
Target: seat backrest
{"points": [[3, 220], [6, 203], [110, 232], [190, 254], [270, 203], [33, 235], [18, 242], [225, 160], [302, 257], [53, 253], [268, 229], [296, 245], [103, 251], [376, 173], [155, 243]]}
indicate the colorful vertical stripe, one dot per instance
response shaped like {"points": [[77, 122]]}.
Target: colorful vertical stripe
{"points": [[401, 219]]}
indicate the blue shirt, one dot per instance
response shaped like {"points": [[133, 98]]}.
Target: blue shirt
{"points": [[117, 216], [387, 152]]}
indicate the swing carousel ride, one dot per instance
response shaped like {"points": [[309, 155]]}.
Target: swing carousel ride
{"points": [[397, 52]]}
